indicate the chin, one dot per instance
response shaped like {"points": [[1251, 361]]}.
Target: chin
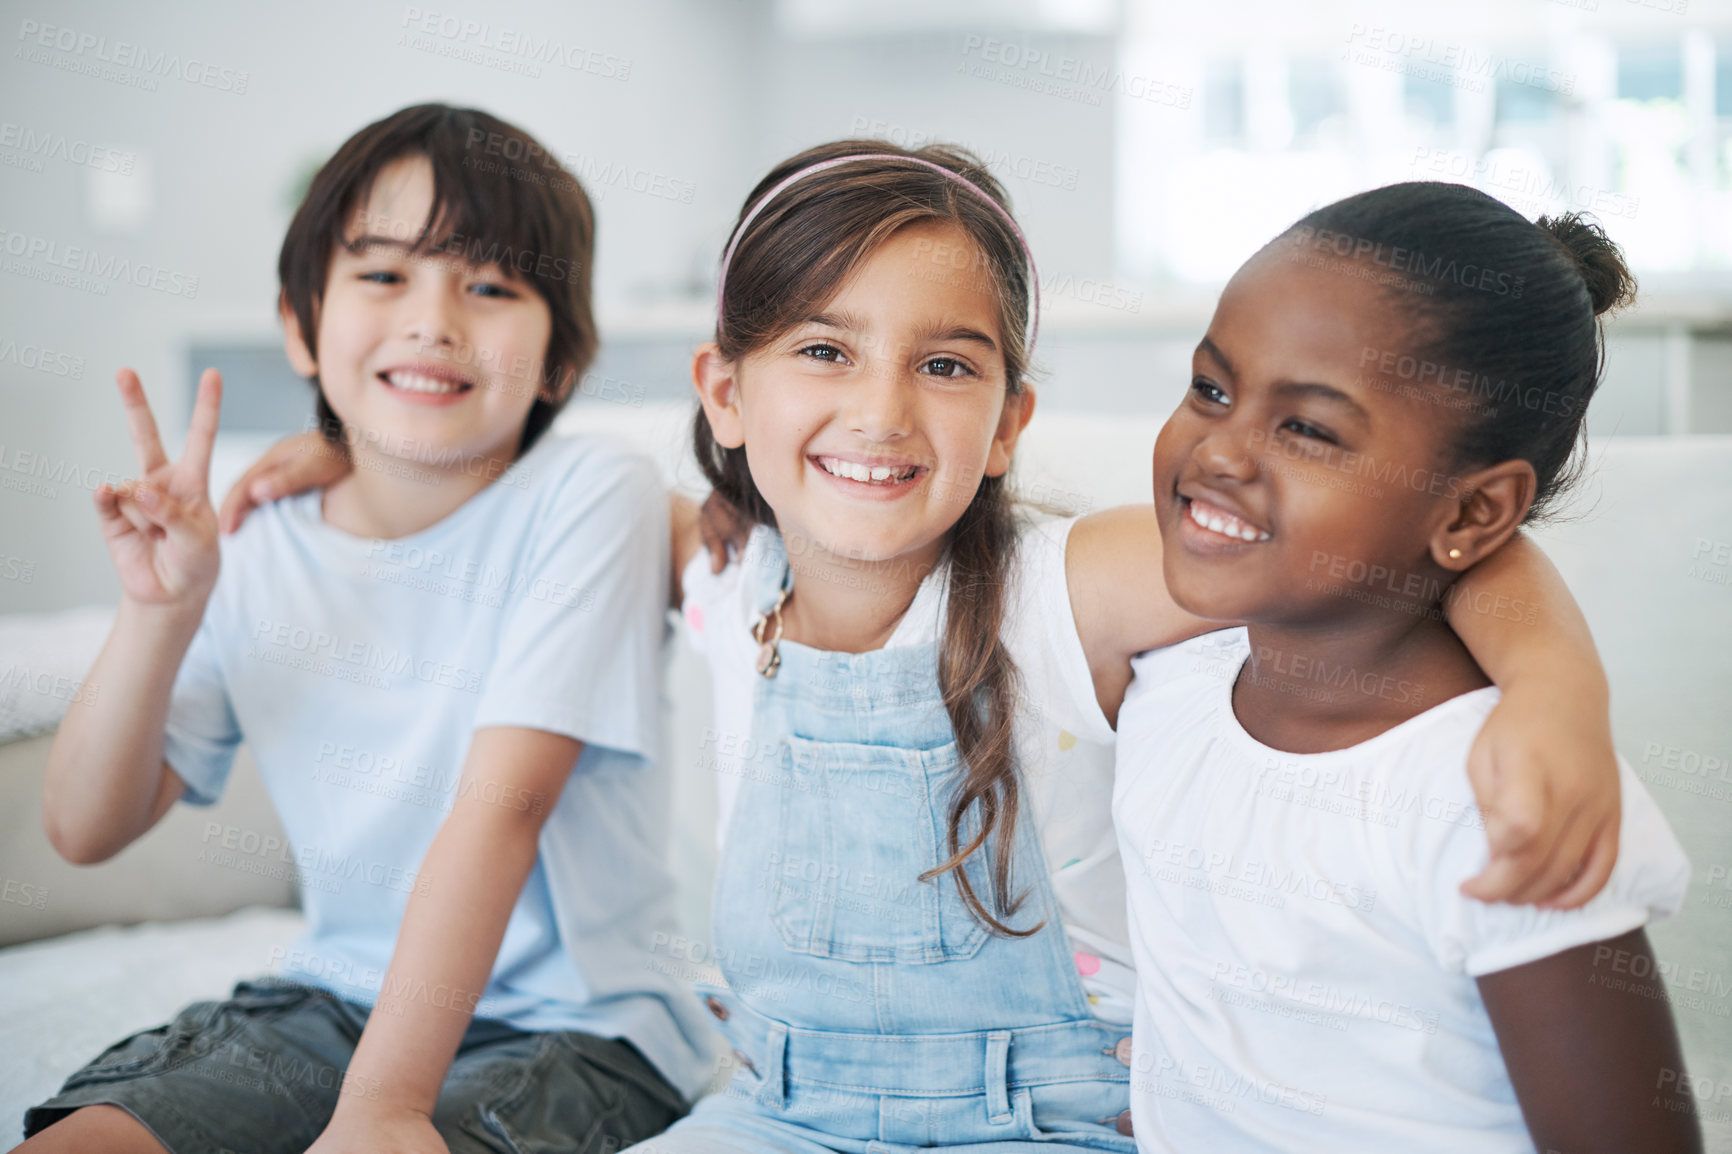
{"points": [[1203, 595]]}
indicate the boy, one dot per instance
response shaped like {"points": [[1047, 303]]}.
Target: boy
{"points": [[473, 973]]}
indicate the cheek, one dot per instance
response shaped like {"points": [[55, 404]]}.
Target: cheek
{"points": [[346, 325], [1172, 446], [776, 431]]}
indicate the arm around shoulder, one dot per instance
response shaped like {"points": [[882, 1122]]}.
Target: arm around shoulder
{"points": [[1544, 769], [1119, 598]]}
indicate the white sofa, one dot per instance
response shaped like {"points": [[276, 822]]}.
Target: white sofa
{"points": [[1649, 555]]}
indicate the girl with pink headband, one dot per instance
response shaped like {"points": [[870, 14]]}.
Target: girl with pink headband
{"points": [[920, 908]]}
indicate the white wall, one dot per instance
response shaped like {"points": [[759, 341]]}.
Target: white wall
{"points": [[717, 91], [216, 169]]}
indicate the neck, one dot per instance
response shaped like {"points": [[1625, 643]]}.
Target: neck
{"points": [[1322, 685], [387, 497], [848, 605]]}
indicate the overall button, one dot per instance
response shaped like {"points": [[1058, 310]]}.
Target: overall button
{"points": [[721, 1011], [1122, 1051]]}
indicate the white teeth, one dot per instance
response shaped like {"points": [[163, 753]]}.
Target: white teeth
{"points": [[868, 474], [1227, 526], [416, 383]]}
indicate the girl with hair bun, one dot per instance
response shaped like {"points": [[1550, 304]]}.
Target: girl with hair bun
{"points": [[1318, 755]]}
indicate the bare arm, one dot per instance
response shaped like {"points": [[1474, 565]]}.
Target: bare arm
{"points": [[1543, 768], [683, 525], [106, 781], [715, 525], [465, 891], [1592, 1051], [1545, 755], [1118, 595]]}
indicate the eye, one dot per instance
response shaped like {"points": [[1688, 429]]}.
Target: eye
{"points": [[946, 367], [493, 289], [382, 276], [1308, 430], [822, 351], [1208, 392]]}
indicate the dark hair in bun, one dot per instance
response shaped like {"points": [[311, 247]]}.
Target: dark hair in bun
{"points": [[1507, 307]]}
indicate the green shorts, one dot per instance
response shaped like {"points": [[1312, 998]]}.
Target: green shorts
{"points": [[261, 1074]]}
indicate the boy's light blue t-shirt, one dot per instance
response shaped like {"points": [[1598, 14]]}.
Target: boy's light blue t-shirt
{"points": [[357, 671]]}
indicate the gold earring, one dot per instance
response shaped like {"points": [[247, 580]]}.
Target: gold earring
{"points": [[1455, 554]]}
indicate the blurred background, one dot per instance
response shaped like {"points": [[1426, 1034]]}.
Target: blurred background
{"points": [[151, 155]]}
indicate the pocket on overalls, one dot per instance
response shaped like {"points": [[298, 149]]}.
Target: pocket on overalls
{"points": [[858, 825]]}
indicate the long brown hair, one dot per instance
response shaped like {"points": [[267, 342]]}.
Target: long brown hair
{"points": [[798, 252]]}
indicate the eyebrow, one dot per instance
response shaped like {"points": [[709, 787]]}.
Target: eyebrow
{"points": [[961, 333], [1315, 389], [848, 322], [1323, 393], [1208, 346], [369, 240]]}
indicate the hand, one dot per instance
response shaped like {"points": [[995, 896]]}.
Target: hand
{"points": [[721, 526], [160, 530], [292, 465], [1547, 783], [379, 1129]]}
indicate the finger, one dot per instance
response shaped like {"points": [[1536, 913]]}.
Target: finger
{"points": [[739, 532], [139, 422], [1514, 805], [1596, 871], [111, 519], [133, 512], [172, 516], [201, 431], [718, 547], [245, 495], [1532, 870], [1552, 871], [1544, 857]]}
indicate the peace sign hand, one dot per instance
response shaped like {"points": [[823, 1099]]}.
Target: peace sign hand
{"points": [[160, 529]]}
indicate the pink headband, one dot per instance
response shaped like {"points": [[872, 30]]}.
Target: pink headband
{"points": [[822, 165]]}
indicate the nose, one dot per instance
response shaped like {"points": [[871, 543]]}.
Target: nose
{"points": [[1225, 452], [431, 315], [882, 403]]}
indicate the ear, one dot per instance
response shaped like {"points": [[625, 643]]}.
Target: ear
{"points": [[717, 381], [1491, 507], [1018, 408], [294, 344]]}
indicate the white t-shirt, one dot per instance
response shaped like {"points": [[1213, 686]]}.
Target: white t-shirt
{"points": [[358, 671], [1307, 961], [1063, 741]]}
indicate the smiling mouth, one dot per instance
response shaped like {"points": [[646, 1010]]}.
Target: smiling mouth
{"points": [[867, 474], [413, 382], [1218, 520]]}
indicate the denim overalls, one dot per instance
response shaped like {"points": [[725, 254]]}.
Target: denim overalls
{"points": [[867, 1010]]}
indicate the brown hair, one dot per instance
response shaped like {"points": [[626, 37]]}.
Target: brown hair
{"points": [[499, 198], [797, 253]]}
